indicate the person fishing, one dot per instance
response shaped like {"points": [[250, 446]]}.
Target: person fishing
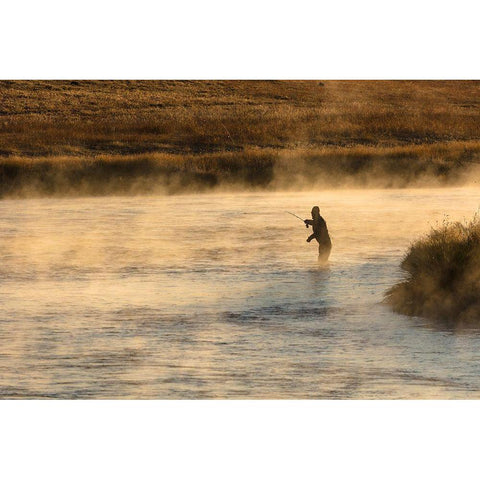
{"points": [[320, 234]]}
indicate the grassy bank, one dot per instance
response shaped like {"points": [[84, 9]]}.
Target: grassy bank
{"points": [[442, 275], [100, 137]]}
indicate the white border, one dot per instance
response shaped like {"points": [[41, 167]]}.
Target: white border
{"points": [[239, 439], [187, 39]]}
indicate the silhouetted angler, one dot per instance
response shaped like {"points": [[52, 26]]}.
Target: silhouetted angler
{"points": [[320, 234]]}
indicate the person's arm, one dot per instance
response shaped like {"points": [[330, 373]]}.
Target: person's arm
{"points": [[308, 222]]}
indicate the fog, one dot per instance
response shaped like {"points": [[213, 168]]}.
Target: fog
{"points": [[253, 171], [219, 296]]}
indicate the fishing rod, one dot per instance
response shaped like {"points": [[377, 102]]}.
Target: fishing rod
{"points": [[297, 217]]}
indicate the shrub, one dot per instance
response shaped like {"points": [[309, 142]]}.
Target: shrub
{"points": [[442, 275]]}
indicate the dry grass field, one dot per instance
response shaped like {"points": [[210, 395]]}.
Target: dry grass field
{"points": [[101, 137]]}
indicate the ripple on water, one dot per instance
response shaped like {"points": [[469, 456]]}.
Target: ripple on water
{"points": [[124, 298]]}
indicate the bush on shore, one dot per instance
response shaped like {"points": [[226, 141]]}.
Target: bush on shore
{"points": [[442, 275]]}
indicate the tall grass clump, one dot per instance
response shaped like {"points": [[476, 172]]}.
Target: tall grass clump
{"points": [[442, 275]]}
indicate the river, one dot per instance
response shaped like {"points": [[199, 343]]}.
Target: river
{"points": [[219, 296]]}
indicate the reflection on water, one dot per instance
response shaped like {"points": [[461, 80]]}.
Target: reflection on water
{"points": [[219, 296]]}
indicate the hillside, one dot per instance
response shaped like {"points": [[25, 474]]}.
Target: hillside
{"points": [[98, 137]]}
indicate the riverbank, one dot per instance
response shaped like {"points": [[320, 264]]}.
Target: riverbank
{"points": [[126, 137], [442, 275], [255, 169]]}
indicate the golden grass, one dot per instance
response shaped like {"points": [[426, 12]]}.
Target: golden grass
{"points": [[241, 132], [442, 275]]}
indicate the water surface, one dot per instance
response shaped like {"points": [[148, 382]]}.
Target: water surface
{"points": [[219, 296]]}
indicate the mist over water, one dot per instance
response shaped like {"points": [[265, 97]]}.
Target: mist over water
{"points": [[219, 296]]}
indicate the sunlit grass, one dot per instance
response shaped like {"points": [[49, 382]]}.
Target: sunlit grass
{"points": [[204, 134], [442, 274]]}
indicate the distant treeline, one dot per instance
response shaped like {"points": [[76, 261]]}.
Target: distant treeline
{"points": [[129, 137]]}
